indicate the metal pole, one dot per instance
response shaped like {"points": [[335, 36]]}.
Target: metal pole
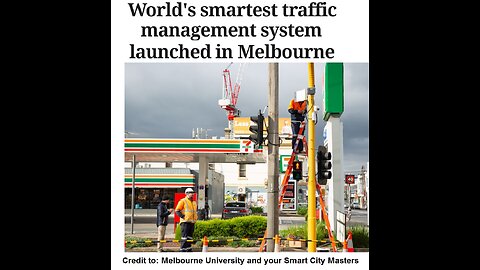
{"points": [[349, 199], [133, 193], [273, 143], [312, 181]]}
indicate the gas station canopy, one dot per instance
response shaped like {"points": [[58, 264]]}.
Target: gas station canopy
{"points": [[190, 150]]}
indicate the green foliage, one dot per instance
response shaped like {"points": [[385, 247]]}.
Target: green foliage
{"points": [[256, 209], [139, 239], [248, 226], [226, 241], [239, 227], [302, 210], [301, 231], [297, 231], [360, 236], [322, 232], [242, 243], [178, 232], [213, 227]]}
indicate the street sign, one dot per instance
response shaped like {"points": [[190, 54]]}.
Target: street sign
{"points": [[350, 179], [289, 199], [284, 159]]}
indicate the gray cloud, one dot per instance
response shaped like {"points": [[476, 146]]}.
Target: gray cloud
{"points": [[169, 100]]}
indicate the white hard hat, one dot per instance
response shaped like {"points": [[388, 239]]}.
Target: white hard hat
{"points": [[189, 190]]}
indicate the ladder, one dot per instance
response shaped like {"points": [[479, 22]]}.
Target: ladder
{"points": [[283, 188], [325, 217]]}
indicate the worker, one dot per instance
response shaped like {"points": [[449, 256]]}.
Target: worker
{"points": [[187, 211], [297, 114]]}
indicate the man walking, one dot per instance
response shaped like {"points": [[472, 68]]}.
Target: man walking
{"points": [[162, 220], [187, 211]]}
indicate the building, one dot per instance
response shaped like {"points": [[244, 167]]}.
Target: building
{"points": [[168, 166], [230, 174]]}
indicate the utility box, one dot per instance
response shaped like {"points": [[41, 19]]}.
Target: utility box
{"points": [[301, 95], [333, 90]]}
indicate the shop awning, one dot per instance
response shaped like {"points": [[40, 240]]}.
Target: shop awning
{"points": [[190, 150], [160, 178]]}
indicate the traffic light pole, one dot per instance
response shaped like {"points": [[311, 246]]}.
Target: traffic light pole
{"points": [[273, 142], [312, 200]]}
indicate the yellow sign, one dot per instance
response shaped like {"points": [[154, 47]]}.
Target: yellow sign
{"points": [[241, 126]]}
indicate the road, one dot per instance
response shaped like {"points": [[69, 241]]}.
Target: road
{"points": [[144, 222], [359, 217]]}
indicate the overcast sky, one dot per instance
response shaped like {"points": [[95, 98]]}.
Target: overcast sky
{"points": [[169, 100]]}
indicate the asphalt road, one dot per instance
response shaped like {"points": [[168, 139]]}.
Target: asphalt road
{"points": [[359, 217], [144, 222]]}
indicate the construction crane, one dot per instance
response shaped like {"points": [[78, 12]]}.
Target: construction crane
{"points": [[230, 94]]}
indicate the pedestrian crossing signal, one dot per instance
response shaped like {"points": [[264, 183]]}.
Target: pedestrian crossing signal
{"points": [[297, 170]]}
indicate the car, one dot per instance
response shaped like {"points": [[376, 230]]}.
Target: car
{"points": [[355, 205], [235, 209]]}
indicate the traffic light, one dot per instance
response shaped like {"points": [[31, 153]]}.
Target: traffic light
{"points": [[257, 129], [323, 165], [297, 170]]}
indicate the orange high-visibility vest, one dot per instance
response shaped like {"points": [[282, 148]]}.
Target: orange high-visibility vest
{"points": [[296, 105], [188, 209]]}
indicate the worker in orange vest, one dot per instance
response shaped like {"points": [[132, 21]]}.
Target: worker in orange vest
{"points": [[297, 116], [187, 211]]}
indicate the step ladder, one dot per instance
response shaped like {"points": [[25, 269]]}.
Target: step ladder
{"points": [[283, 187]]}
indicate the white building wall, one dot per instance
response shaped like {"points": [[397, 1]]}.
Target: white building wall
{"points": [[192, 166], [256, 174], [179, 165]]}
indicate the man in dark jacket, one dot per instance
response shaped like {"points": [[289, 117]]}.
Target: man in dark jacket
{"points": [[162, 220]]}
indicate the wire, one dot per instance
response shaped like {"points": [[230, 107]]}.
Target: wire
{"points": [[311, 109], [279, 144], [264, 109], [268, 134]]}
